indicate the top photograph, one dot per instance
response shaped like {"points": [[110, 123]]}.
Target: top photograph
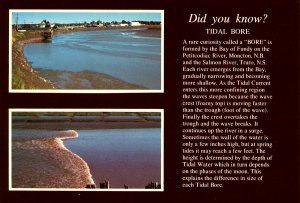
{"points": [[86, 51]]}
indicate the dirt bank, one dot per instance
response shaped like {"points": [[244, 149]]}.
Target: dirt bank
{"points": [[85, 80], [147, 32]]}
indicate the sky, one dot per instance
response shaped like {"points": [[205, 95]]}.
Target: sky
{"points": [[80, 17]]}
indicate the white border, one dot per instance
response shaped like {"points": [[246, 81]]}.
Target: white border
{"points": [[161, 111], [86, 91]]}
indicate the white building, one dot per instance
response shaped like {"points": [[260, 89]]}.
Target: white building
{"points": [[134, 23], [43, 25], [124, 24]]}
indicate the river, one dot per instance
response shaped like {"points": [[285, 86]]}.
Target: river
{"points": [[120, 53]]}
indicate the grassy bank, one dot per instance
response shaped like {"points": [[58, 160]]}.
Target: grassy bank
{"points": [[17, 79], [23, 75]]}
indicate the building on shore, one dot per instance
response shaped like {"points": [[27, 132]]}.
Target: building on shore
{"points": [[134, 23]]}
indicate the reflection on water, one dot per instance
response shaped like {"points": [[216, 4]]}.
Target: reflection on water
{"points": [[118, 53], [122, 156]]}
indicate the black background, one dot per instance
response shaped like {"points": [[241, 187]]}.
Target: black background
{"points": [[281, 181]]}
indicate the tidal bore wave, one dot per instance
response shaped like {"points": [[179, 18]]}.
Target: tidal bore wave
{"points": [[44, 162]]}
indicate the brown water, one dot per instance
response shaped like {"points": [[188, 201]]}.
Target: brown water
{"points": [[121, 156]]}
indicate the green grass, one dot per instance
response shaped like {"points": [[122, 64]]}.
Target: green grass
{"points": [[17, 81], [17, 36]]}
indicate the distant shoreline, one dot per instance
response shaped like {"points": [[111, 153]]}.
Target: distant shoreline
{"points": [[81, 125], [154, 30]]}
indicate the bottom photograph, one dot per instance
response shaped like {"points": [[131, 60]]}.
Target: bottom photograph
{"points": [[84, 149]]}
